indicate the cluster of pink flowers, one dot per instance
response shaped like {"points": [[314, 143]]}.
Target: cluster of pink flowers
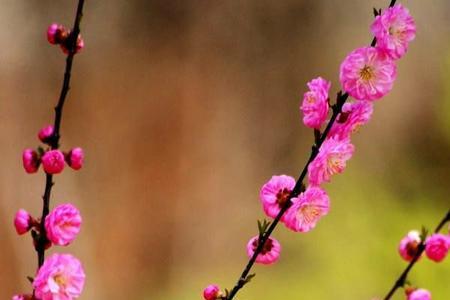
{"points": [[61, 276], [436, 246], [59, 35], [53, 160], [366, 74]]}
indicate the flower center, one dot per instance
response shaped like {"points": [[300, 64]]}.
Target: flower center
{"points": [[366, 73], [334, 163], [60, 280], [267, 246], [309, 213], [283, 196], [411, 248]]}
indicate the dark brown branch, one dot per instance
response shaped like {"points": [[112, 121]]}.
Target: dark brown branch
{"points": [[42, 240], [298, 188], [400, 282]]}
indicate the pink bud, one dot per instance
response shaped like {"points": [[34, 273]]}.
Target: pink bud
{"points": [[46, 133], [53, 162], [56, 34], [63, 224], [75, 158], [437, 246], [211, 292], [409, 245], [30, 161], [80, 45], [22, 221], [419, 294]]}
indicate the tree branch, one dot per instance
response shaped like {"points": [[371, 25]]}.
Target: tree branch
{"points": [[341, 98], [42, 240]]}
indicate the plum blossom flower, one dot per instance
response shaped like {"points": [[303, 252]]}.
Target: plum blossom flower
{"points": [[270, 252], [315, 103], [367, 73], [394, 29], [63, 224], [46, 133], [211, 292], [22, 221], [353, 116], [30, 161], [75, 158], [332, 158], [409, 245], [437, 246], [419, 294], [307, 209], [53, 161], [61, 277], [275, 193]]}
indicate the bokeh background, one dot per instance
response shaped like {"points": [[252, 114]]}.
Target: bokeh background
{"points": [[185, 108]]}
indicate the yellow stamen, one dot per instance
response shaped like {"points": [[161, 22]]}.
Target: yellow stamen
{"points": [[366, 73]]}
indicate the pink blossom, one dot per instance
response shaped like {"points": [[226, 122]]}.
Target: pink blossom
{"points": [[275, 193], [409, 245], [46, 133], [53, 161], [353, 116], [307, 209], [30, 161], [419, 294], [315, 103], [61, 277], [367, 73], [270, 252], [75, 158], [437, 246], [22, 221], [63, 224], [331, 159], [211, 292], [394, 29]]}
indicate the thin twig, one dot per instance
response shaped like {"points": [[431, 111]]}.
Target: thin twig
{"points": [[400, 282], [298, 188], [42, 240]]}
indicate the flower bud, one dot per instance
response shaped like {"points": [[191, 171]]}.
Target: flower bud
{"points": [[66, 46], [418, 294], [53, 162], [437, 246], [409, 245], [46, 134], [211, 292], [56, 34], [75, 158], [30, 161], [22, 221]]}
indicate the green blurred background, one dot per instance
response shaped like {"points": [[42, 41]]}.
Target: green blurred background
{"points": [[185, 108]]}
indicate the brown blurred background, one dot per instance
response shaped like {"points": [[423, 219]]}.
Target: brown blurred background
{"points": [[185, 108]]}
